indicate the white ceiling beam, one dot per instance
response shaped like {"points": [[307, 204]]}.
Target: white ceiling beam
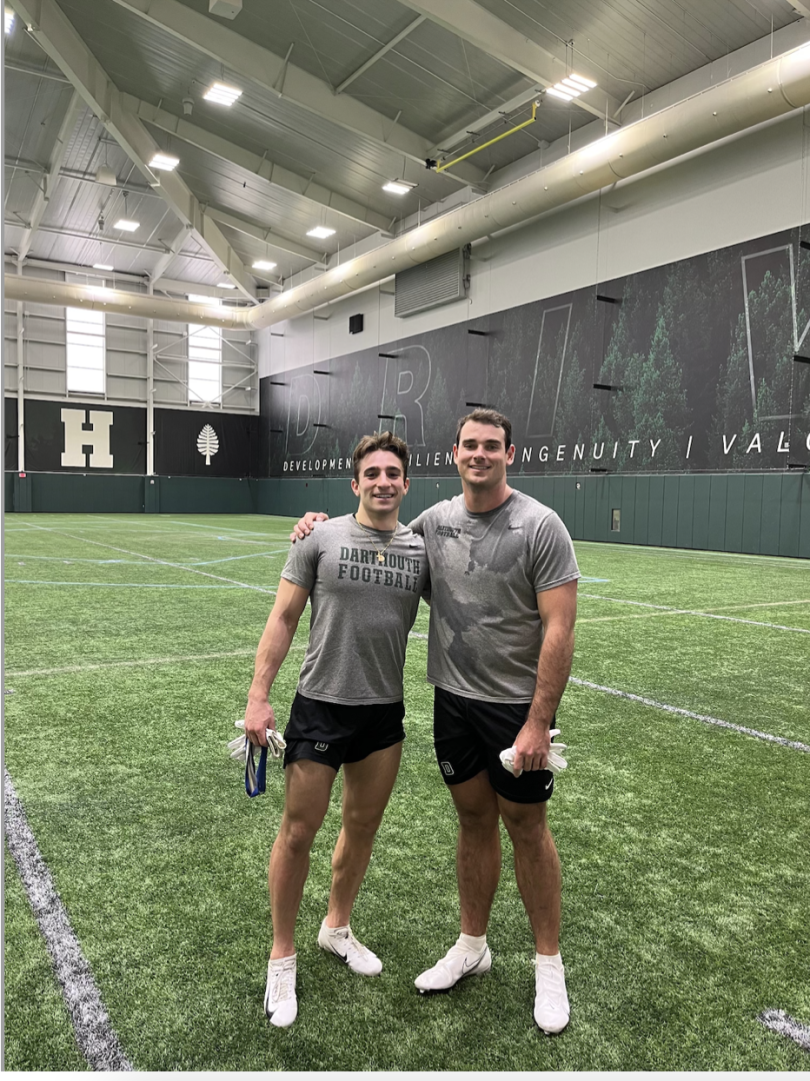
{"points": [[474, 24], [97, 238], [380, 53], [48, 25], [174, 247], [303, 186], [247, 60], [269, 236], [799, 8], [50, 179]]}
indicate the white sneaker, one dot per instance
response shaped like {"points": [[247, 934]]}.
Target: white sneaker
{"points": [[551, 1009], [458, 962], [341, 942], [280, 1003]]}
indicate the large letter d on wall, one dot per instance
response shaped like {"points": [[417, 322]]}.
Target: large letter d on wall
{"points": [[97, 438]]}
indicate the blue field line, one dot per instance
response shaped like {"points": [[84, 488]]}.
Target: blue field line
{"points": [[122, 585], [584, 579]]}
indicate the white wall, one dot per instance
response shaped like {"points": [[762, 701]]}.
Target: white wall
{"points": [[749, 186]]}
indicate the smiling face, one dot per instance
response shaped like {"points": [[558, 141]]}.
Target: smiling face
{"points": [[482, 456], [381, 487]]}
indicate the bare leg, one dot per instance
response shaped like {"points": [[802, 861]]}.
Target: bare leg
{"points": [[367, 787], [478, 855], [537, 869], [307, 788]]}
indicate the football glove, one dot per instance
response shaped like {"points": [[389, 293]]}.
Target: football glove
{"points": [[555, 761], [243, 750]]}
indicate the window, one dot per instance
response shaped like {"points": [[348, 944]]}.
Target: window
{"points": [[615, 521], [85, 350], [204, 359]]}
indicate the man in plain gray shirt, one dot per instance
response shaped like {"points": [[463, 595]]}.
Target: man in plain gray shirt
{"points": [[504, 585]]}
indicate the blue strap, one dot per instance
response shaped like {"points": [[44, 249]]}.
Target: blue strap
{"points": [[255, 779]]}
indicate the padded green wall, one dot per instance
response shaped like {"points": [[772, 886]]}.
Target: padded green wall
{"points": [[762, 513], [765, 514]]}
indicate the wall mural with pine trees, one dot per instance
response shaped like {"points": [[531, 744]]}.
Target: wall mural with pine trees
{"points": [[691, 367]]}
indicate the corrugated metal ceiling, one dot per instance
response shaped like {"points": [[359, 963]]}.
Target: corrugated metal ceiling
{"points": [[432, 83]]}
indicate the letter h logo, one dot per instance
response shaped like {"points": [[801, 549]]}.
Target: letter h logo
{"points": [[96, 436]]}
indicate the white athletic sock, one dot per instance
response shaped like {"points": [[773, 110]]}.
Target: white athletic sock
{"points": [[555, 957], [474, 943]]}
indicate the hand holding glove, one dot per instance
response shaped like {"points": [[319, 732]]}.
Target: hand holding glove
{"points": [[242, 749], [555, 761]]}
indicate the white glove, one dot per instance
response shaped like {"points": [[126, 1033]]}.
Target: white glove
{"points": [[239, 747], [555, 762]]}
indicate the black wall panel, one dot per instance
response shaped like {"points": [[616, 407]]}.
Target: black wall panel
{"points": [[46, 435], [205, 444], [10, 432]]}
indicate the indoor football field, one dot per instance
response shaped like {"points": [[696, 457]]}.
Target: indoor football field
{"points": [[682, 821]]}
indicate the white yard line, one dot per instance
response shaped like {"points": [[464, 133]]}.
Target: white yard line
{"points": [[793, 744], [785, 1025], [94, 1034], [704, 554], [120, 585], [666, 609], [152, 559]]}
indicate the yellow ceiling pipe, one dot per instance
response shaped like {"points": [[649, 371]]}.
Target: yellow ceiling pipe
{"points": [[475, 150]]}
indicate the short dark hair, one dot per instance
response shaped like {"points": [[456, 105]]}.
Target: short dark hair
{"points": [[380, 441], [488, 416]]}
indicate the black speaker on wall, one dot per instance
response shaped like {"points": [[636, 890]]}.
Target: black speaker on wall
{"points": [[355, 324]]}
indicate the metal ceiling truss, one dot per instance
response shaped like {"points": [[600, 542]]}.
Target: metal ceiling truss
{"points": [[48, 25], [283, 79], [267, 235], [303, 186], [380, 53], [50, 179], [474, 24], [173, 249]]}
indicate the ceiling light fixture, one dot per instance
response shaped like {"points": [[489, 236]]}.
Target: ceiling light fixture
{"points": [[570, 87], [587, 84], [102, 266], [398, 187], [222, 94], [225, 285], [127, 226], [321, 232], [163, 161], [9, 19], [264, 264], [560, 93]]}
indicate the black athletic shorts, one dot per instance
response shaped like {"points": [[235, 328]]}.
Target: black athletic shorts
{"points": [[469, 736], [332, 734]]}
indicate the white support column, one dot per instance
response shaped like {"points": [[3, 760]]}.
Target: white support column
{"points": [[150, 393], [20, 383]]}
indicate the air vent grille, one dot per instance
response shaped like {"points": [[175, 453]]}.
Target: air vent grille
{"points": [[429, 285]]}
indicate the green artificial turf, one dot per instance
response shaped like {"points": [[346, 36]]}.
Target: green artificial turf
{"points": [[684, 846]]}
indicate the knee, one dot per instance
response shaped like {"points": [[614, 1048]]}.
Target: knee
{"points": [[362, 824], [524, 825], [297, 834]]}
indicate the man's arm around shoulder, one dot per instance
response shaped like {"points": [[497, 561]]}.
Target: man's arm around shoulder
{"points": [[558, 611], [273, 648]]}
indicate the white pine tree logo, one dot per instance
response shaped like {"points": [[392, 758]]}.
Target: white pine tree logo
{"points": [[207, 443]]}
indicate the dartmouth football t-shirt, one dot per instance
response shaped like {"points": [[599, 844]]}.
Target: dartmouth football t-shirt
{"points": [[486, 571], [364, 587]]}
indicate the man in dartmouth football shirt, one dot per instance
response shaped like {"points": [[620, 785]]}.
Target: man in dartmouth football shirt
{"points": [[363, 574]]}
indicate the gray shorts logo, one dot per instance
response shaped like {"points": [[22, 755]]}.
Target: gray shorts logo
{"points": [[447, 769], [321, 746]]}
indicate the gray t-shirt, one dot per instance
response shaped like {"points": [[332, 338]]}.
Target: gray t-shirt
{"points": [[486, 571], [362, 609]]}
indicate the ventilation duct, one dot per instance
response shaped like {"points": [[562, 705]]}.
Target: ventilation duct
{"points": [[430, 285]]}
